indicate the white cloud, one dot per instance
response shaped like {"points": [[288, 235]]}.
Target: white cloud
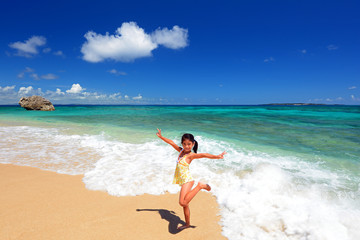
{"points": [[49, 76], [270, 59], [7, 88], [8, 95], [116, 72], [28, 48], [75, 95], [304, 51], [174, 38], [75, 88], [130, 42], [353, 87], [115, 96], [332, 47], [138, 97], [328, 100], [59, 92], [25, 90]]}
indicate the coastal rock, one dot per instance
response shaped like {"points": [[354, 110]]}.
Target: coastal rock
{"points": [[36, 103]]}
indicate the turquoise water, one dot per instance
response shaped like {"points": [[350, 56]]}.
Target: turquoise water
{"points": [[324, 131], [280, 158]]}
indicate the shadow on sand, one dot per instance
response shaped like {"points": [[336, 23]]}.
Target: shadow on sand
{"points": [[169, 216]]}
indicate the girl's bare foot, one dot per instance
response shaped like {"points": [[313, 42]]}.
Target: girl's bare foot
{"points": [[204, 186], [183, 227]]}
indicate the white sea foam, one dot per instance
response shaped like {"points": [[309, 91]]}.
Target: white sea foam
{"points": [[261, 196], [47, 148]]}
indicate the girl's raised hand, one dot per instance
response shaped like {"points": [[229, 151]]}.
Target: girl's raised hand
{"points": [[158, 133], [221, 156]]}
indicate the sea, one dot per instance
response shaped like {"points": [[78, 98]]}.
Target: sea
{"points": [[290, 172]]}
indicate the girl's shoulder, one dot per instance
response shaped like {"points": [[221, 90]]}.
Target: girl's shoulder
{"points": [[190, 154]]}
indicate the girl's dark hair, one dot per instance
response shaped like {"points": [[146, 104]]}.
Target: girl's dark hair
{"points": [[190, 137]]}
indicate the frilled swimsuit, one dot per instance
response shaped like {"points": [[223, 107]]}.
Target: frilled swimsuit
{"points": [[182, 173]]}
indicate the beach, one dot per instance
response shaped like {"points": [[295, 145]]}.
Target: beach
{"points": [[38, 204]]}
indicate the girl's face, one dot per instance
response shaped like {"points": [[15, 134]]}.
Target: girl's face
{"points": [[187, 145]]}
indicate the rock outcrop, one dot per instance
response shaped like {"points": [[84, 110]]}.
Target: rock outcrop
{"points": [[36, 103]]}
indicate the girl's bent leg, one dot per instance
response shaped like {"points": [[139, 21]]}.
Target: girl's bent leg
{"points": [[191, 194], [186, 195]]}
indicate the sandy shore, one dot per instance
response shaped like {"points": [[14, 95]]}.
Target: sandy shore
{"points": [[36, 204]]}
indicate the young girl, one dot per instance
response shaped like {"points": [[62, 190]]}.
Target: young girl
{"points": [[182, 175]]}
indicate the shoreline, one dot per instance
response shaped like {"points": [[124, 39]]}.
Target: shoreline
{"points": [[39, 204]]}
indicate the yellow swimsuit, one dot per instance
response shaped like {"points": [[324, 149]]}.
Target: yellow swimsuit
{"points": [[182, 173]]}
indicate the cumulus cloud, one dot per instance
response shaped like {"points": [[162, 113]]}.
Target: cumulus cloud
{"points": [[75, 95], [29, 47], [59, 92], [25, 90], [75, 88], [115, 96], [353, 87], [174, 38], [130, 42], [28, 91], [138, 97]]}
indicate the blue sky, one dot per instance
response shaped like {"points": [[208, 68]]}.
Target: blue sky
{"points": [[181, 52]]}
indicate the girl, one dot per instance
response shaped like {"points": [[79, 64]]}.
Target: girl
{"points": [[182, 175]]}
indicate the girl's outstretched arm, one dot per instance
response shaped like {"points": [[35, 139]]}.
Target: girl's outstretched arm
{"points": [[206, 155], [169, 141]]}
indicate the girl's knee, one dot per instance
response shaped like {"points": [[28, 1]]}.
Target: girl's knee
{"points": [[183, 204]]}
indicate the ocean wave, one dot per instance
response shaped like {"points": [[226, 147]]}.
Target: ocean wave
{"points": [[261, 196]]}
